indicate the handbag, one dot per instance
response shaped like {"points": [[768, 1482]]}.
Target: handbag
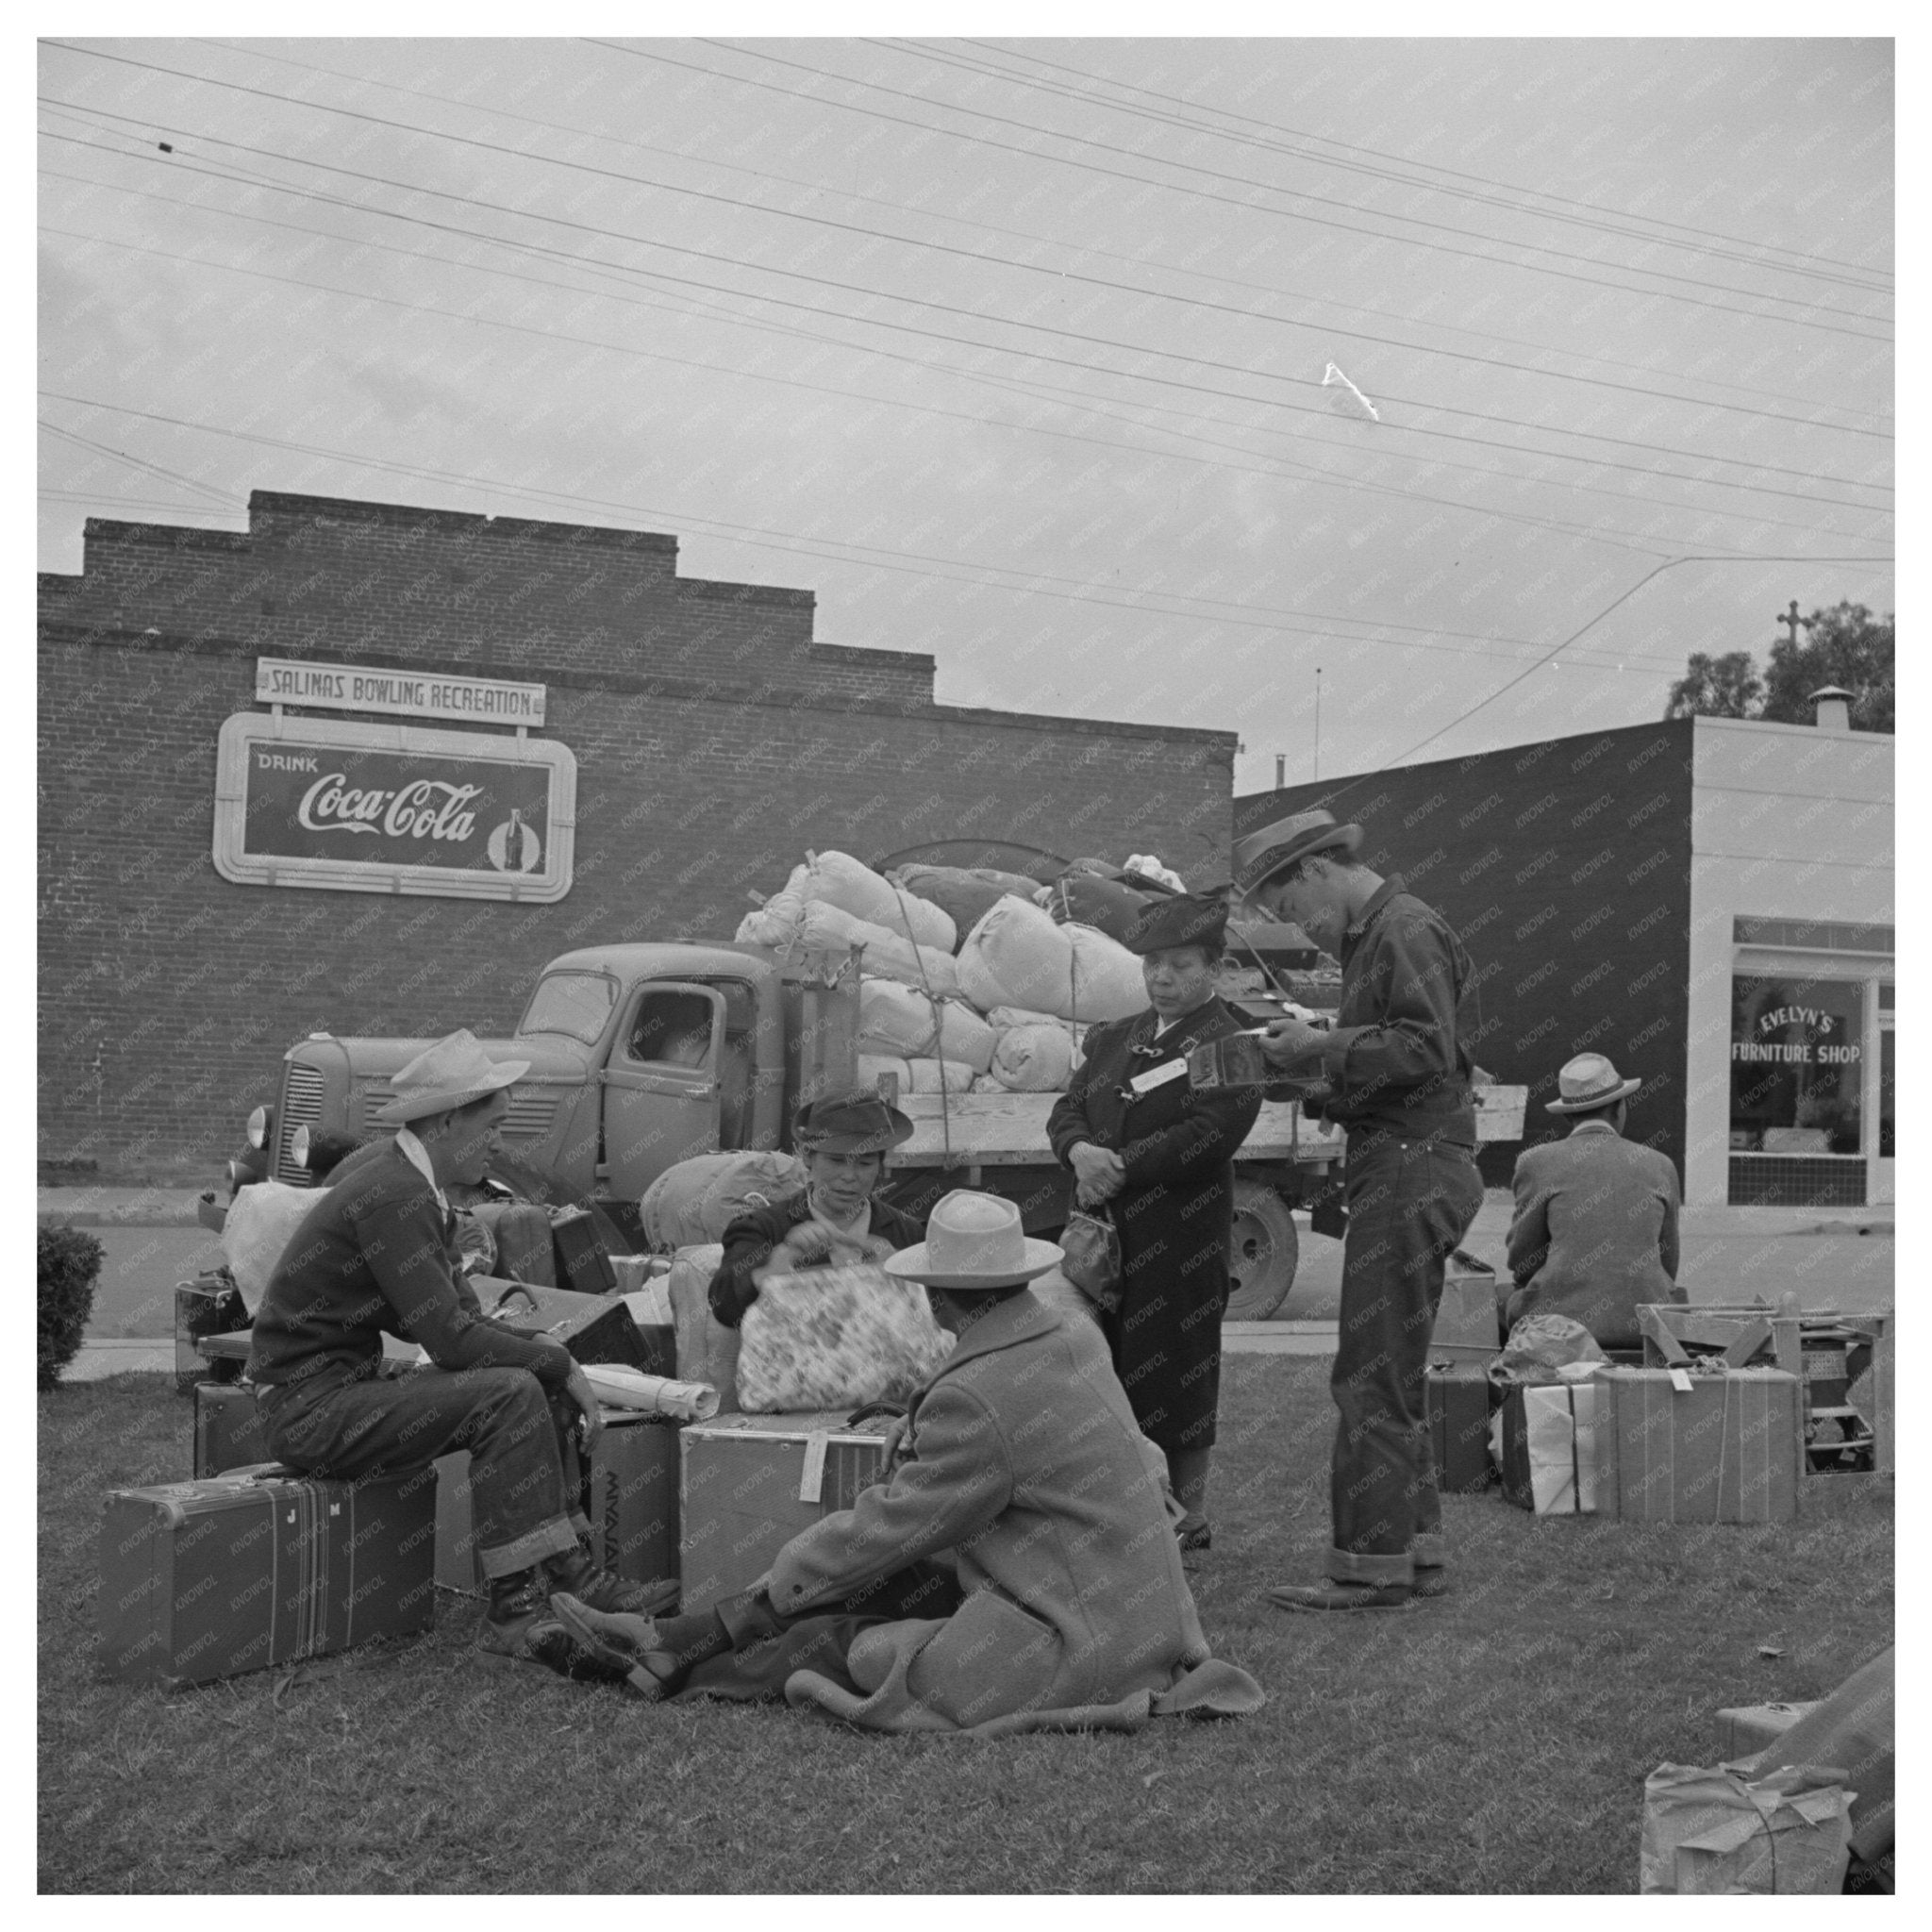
{"points": [[1090, 1244]]}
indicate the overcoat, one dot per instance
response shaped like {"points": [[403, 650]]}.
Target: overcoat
{"points": [[1020, 1458], [1175, 1215], [1595, 1232]]}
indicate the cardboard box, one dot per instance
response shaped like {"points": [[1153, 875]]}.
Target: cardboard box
{"points": [[228, 1432], [253, 1568], [1746, 1729], [633, 1505], [1676, 1446], [1550, 1448], [1467, 1316], [750, 1483], [1457, 1402]]}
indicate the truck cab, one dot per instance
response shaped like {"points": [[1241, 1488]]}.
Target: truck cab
{"points": [[641, 1056]]}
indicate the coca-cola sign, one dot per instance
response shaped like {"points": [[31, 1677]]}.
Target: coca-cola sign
{"points": [[387, 808]]}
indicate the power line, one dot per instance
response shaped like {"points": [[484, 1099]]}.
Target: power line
{"points": [[1650, 472], [137, 462], [784, 540], [1190, 273], [1706, 235], [1669, 563], [1146, 181], [973, 254]]}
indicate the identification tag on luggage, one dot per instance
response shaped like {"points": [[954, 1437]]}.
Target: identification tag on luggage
{"points": [[811, 1477], [1158, 1076]]}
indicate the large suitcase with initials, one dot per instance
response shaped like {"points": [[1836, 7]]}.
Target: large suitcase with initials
{"points": [[258, 1566]]}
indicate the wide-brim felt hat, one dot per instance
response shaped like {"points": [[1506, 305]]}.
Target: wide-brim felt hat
{"points": [[453, 1073], [1590, 1081], [1274, 848], [1187, 918], [973, 1241], [856, 1121]]}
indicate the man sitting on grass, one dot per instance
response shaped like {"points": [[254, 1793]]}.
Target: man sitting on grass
{"points": [[1017, 1569]]}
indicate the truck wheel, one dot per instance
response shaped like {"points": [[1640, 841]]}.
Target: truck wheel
{"points": [[1263, 1256]]}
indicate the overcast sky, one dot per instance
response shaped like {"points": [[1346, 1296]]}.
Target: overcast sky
{"points": [[1012, 351]]}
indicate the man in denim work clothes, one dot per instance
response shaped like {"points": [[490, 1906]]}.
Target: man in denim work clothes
{"points": [[1396, 1076]]}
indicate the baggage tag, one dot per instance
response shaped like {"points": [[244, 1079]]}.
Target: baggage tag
{"points": [[1680, 1381], [811, 1479], [1158, 1076]]}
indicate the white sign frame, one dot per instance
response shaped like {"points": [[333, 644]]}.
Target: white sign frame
{"points": [[318, 684], [244, 730]]}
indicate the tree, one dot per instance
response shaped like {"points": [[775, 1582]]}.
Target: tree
{"points": [[1726, 687], [1846, 645]]}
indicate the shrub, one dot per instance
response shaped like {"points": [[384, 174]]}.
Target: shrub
{"points": [[70, 1261]]}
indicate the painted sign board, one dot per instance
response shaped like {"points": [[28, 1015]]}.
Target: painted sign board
{"points": [[410, 694], [359, 806]]}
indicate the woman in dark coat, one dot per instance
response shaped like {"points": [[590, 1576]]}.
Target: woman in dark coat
{"points": [[1138, 1137], [843, 1140]]}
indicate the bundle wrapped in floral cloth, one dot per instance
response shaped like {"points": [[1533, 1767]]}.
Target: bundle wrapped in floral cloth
{"points": [[836, 1337]]}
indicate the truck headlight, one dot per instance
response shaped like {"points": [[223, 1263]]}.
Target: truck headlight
{"points": [[260, 1122], [298, 1146]]}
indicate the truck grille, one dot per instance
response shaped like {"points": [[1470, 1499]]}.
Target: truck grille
{"points": [[302, 1095], [528, 1119]]}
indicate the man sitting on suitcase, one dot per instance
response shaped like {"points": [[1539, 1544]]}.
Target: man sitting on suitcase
{"points": [[1596, 1231], [378, 1253], [1016, 1570]]}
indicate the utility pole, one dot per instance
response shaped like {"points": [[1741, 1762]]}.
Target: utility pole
{"points": [[1790, 617], [1318, 721], [1280, 770]]}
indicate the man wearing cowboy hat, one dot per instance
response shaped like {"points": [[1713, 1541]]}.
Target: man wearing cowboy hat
{"points": [[1397, 1077], [842, 1138], [1015, 1569], [378, 1253], [1595, 1233]]}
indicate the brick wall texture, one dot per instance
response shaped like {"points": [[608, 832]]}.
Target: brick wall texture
{"points": [[715, 742], [1565, 866]]}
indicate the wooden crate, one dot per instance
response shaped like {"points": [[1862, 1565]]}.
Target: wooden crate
{"points": [[1671, 1334]]}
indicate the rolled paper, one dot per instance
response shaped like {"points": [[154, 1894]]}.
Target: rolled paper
{"points": [[622, 1387]]}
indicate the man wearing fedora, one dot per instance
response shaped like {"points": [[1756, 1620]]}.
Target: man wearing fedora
{"points": [[1398, 1075], [378, 1253], [842, 1138], [1015, 1569], [1159, 1157], [1596, 1231]]}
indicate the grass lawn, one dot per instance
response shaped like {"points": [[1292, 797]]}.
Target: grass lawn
{"points": [[1494, 1741]]}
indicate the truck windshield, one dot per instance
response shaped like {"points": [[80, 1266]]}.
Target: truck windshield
{"points": [[576, 1004]]}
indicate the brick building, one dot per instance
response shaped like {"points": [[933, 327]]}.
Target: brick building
{"points": [[714, 738], [1707, 901]]}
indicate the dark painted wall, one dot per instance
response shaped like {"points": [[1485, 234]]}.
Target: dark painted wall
{"points": [[1565, 866]]}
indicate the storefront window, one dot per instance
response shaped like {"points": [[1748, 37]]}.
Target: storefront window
{"points": [[1796, 1065]]}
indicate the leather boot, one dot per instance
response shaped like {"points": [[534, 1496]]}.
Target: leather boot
{"points": [[518, 1628], [574, 1573], [627, 1647]]}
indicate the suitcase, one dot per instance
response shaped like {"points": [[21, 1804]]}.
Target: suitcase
{"points": [[750, 1483], [632, 1506], [208, 1305], [228, 1431], [261, 1567], [596, 1328], [1456, 1396], [583, 1260]]}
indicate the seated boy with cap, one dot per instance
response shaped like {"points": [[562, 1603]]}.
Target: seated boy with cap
{"points": [[1016, 1570]]}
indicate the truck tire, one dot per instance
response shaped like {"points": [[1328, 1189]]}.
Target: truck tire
{"points": [[1262, 1255]]}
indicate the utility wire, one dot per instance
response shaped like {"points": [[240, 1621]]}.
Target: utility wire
{"points": [[784, 540], [1651, 471], [1588, 533], [928, 127], [819, 188], [1702, 237]]}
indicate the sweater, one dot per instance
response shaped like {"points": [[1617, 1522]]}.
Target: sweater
{"points": [[376, 1255]]}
